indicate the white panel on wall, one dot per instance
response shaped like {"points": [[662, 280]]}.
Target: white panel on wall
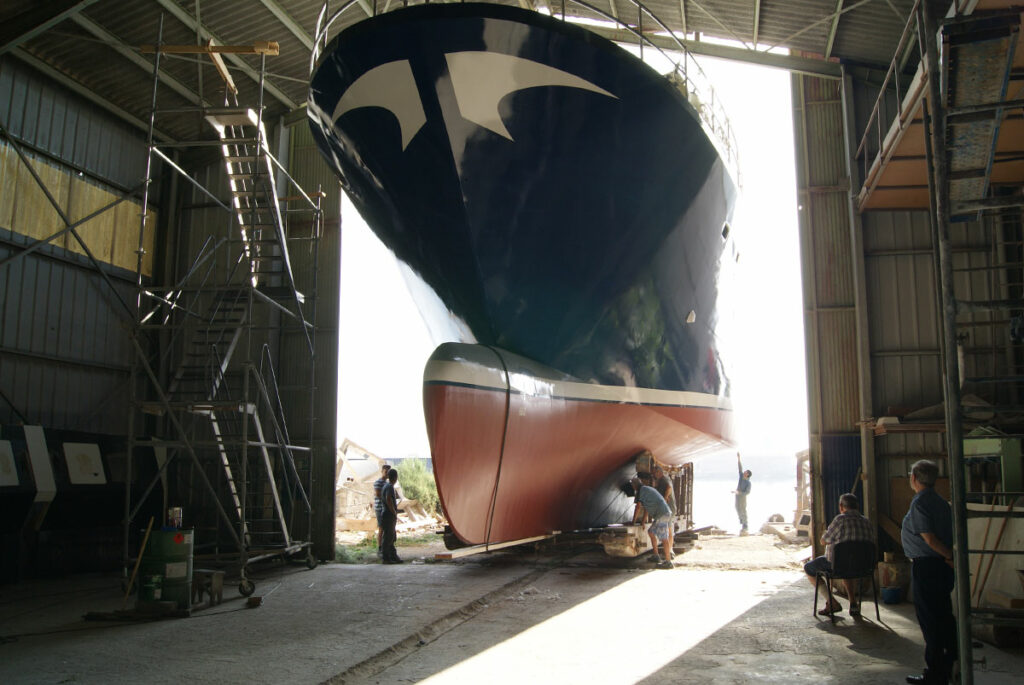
{"points": [[85, 466], [8, 471]]}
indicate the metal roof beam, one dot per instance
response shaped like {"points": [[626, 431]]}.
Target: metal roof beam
{"points": [[289, 23], [757, 21], [82, 91], [833, 29], [800, 65], [41, 18], [366, 7], [190, 21], [715, 19], [810, 26], [135, 58]]}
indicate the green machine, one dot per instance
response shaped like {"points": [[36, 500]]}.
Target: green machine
{"points": [[166, 568], [989, 445]]}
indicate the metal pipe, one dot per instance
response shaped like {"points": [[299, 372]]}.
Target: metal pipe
{"points": [[951, 385]]}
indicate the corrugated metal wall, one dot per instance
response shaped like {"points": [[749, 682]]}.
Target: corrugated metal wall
{"points": [[830, 295], [47, 117], [903, 327], [311, 172], [65, 353]]}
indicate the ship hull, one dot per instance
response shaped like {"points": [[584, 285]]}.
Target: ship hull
{"points": [[521, 451], [554, 203]]}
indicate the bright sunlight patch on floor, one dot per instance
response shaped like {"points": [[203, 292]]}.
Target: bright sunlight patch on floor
{"points": [[624, 634]]}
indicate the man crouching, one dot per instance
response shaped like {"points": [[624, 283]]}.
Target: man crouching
{"points": [[650, 500]]}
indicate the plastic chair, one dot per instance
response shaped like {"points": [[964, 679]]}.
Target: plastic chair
{"points": [[851, 560]]}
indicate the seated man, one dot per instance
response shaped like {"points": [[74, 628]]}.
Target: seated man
{"points": [[648, 499], [849, 525]]}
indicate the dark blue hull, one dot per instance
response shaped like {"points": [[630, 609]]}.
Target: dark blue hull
{"points": [[558, 197]]}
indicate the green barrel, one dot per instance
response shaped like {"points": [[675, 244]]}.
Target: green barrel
{"points": [[168, 554]]}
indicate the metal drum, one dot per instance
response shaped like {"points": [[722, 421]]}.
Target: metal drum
{"points": [[169, 554]]}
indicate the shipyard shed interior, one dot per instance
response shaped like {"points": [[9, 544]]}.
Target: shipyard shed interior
{"points": [[170, 260]]}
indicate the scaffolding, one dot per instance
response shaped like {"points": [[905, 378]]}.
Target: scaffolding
{"points": [[961, 89], [210, 395]]}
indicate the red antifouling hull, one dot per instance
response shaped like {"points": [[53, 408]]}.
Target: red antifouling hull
{"points": [[511, 464]]}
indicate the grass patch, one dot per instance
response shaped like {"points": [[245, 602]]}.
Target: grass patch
{"points": [[362, 552], [418, 539], [365, 551]]}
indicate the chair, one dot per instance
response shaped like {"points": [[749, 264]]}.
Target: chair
{"points": [[851, 560]]}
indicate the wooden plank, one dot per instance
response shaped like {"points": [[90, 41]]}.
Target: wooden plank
{"points": [[9, 163], [364, 525], [259, 47], [222, 68], [477, 549], [98, 232], [126, 237], [34, 216], [891, 528]]}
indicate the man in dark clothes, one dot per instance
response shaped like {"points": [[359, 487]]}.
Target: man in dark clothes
{"points": [[378, 505], [390, 519], [663, 484], [927, 538], [742, 490]]}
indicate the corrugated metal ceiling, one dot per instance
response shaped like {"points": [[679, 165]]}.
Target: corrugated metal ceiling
{"points": [[84, 46]]}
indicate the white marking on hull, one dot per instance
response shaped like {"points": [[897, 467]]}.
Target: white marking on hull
{"points": [[392, 87], [482, 79], [482, 376]]}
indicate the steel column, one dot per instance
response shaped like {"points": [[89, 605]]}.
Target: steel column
{"points": [[951, 375]]}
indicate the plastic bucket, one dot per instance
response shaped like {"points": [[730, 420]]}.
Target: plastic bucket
{"points": [[892, 595], [168, 555]]}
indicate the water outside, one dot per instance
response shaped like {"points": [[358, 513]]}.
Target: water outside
{"points": [[773, 491]]}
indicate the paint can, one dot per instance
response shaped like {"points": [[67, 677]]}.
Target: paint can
{"points": [[174, 516]]}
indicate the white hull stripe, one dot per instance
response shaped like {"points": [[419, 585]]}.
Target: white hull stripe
{"points": [[478, 376]]}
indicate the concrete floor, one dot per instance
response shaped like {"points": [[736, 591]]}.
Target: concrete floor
{"points": [[734, 610]]}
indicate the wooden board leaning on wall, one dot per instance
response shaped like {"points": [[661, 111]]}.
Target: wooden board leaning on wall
{"points": [[112, 237]]}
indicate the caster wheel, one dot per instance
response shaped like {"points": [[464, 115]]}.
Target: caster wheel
{"points": [[311, 561], [246, 588]]}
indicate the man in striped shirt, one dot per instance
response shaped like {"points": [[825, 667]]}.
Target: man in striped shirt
{"points": [[848, 526]]}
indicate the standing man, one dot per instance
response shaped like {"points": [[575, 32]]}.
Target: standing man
{"points": [[742, 490], [663, 484], [849, 525], [378, 505], [927, 538], [655, 505], [390, 519]]}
